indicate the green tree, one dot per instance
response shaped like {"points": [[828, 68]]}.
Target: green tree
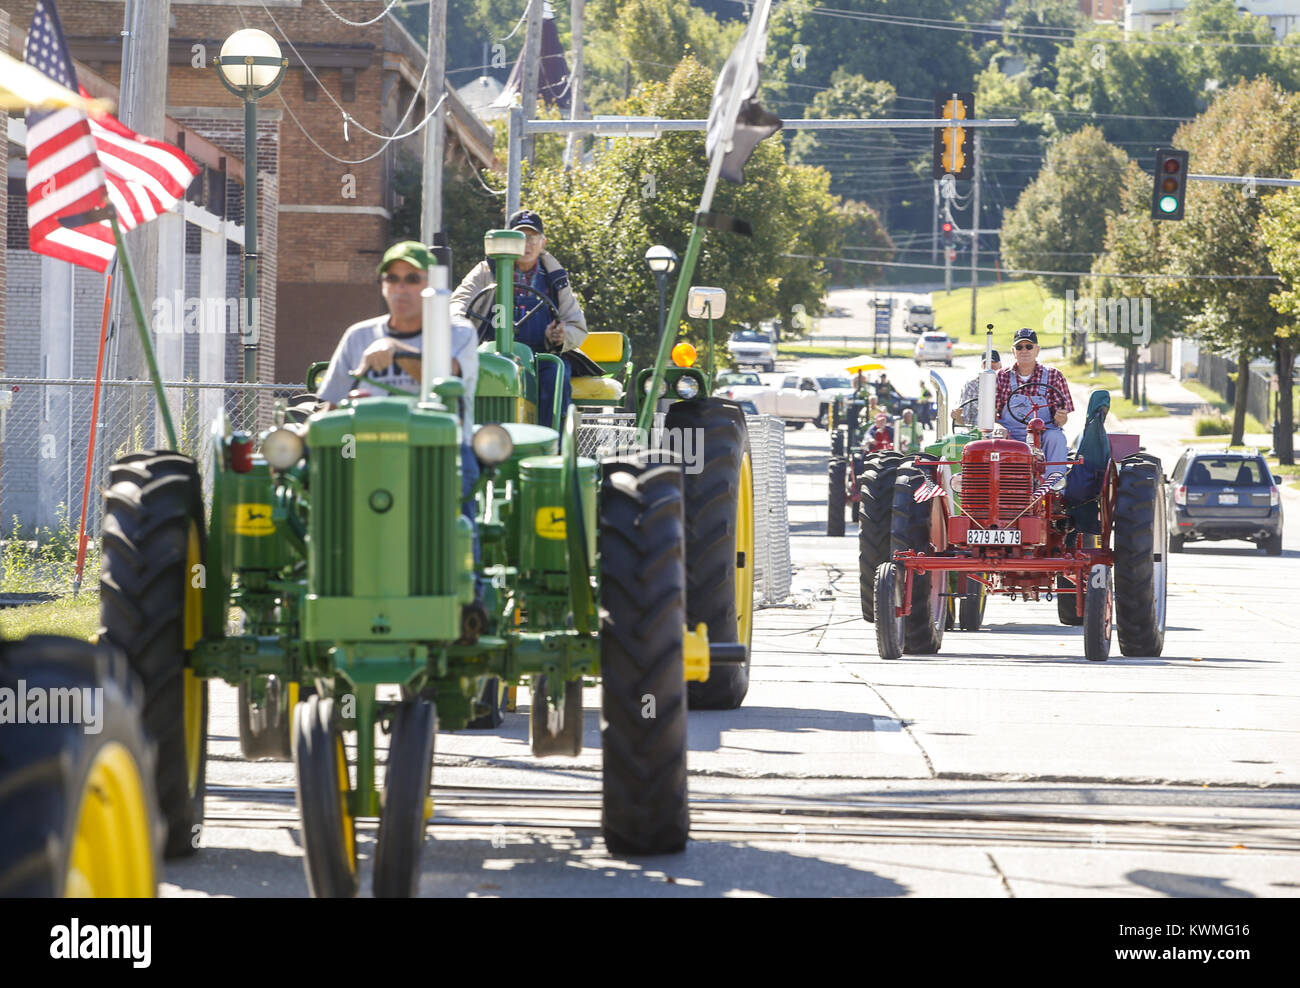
{"points": [[1061, 216], [1036, 30], [1281, 227], [600, 219]]}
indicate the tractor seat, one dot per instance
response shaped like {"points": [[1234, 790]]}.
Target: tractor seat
{"points": [[596, 389], [1083, 482], [606, 348]]}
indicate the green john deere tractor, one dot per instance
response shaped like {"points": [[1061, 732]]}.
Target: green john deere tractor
{"points": [[340, 540]]}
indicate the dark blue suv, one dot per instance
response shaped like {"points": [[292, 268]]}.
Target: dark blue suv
{"points": [[1224, 495]]}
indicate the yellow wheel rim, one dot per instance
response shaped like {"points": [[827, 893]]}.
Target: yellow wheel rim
{"points": [[745, 552], [194, 687], [349, 830], [293, 703], [112, 854]]}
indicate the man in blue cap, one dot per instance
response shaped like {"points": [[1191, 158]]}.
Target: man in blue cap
{"points": [[541, 331]]}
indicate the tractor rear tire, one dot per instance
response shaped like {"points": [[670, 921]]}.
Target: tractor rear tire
{"points": [[1067, 603], [839, 439], [970, 608], [836, 478], [153, 537], [405, 813], [1098, 614], [718, 503], [78, 811], [875, 523], [889, 629], [329, 841], [910, 529], [1141, 558], [643, 685], [268, 733]]}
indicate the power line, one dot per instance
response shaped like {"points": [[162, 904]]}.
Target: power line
{"points": [[1063, 274]]}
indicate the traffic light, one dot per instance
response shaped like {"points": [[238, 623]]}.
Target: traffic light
{"points": [[946, 227], [954, 147], [1169, 190]]}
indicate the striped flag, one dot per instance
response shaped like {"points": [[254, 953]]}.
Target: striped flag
{"points": [[76, 165], [928, 491]]}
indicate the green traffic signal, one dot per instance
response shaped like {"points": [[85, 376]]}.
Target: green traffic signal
{"points": [[1169, 204]]}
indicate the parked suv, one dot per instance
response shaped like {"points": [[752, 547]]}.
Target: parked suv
{"points": [[1223, 494], [754, 348]]}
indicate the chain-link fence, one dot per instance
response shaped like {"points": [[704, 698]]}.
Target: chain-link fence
{"points": [[599, 435], [45, 436]]}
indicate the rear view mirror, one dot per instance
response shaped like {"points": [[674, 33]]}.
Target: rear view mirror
{"points": [[706, 303], [1277, 479]]}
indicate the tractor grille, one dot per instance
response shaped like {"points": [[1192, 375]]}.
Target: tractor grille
{"points": [[331, 526], [433, 494], [494, 409], [1015, 483]]}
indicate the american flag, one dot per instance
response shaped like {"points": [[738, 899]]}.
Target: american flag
{"points": [[929, 491], [76, 165]]}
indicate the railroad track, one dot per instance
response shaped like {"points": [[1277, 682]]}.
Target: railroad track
{"points": [[468, 812]]}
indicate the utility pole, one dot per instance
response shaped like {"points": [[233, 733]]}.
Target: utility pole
{"points": [[975, 237], [435, 130], [143, 103], [532, 60], [574, 142], [934, 227]]}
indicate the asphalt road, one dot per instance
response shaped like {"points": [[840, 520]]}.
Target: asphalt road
{"points": [[1007, 765]]}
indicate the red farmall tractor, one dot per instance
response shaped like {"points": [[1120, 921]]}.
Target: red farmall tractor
{"points": [[1089, 532]]}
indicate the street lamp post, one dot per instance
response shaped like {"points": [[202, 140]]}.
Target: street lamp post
{"points": [[250, 66], [662, 262]]}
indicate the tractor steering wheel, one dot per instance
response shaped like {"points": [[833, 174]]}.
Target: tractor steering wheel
{"points": [[486, 322], [1037, 406], [390, 388]]}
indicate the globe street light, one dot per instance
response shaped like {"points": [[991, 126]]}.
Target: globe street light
{"points": [[662, 262], [250, 66]]}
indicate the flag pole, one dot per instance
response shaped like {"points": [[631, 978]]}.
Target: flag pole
{"points": [[146, 344], [94, 426], [650, 400]]}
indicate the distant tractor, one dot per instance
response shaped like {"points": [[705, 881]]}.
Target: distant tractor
{"points": [[1094, 537]]}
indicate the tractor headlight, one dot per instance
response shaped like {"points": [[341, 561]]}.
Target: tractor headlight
{"points": [[492, 445], [663, 386], [283, 447], [687, 387]]}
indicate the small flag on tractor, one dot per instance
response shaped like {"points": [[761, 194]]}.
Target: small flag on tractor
{"points": [[752, 124], [928, 492], [77, 166]]}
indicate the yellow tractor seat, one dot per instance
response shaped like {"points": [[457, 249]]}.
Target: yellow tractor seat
{"points": [[596, 388], [606, 349]]}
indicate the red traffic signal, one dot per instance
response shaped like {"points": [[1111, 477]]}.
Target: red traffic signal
{"points": [[946, 227]]}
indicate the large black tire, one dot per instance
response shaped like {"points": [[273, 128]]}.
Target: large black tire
{"points": [[858, 461], [1098, 614], [838, 440], [1140, 541], [875, 522], [889, 629], [643, 686], [910, 529], [1067, 603], [78, 811], [153, 534], [836, 477], [495, 696], [712, 499], [406, 800], [266, 729], [328, 830], [970, 608]]}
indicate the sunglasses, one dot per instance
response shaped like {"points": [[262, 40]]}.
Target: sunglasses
{"points": [[1026, 346], [532, 239], [409, 279]]}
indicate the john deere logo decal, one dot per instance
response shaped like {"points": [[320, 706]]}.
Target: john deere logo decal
{"points": [[253, 519], [550, 523]]}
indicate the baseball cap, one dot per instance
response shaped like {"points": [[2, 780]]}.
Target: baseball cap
{"points": [[1025, 334], [525, 217], [412, 252], [993, 355]]}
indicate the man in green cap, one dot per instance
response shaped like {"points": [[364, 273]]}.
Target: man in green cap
{"points": [[387, 348]]}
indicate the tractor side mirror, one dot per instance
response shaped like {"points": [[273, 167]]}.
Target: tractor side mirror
{"points": [[706, 303]]}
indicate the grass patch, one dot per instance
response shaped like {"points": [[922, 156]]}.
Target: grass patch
{"points": [[799, 350], [1008, 306], [76, 617], [1217, 402]]}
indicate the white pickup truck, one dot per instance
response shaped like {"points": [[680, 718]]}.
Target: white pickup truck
{"points": [[801, 398]]}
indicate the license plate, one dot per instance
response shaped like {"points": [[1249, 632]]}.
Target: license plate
{"points": [[997, 536], [1227, 498]]}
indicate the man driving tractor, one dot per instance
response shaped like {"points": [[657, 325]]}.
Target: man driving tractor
{"points": [[1027, 388]]}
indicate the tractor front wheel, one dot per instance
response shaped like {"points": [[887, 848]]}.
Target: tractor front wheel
{"points": [[889, 595], [836, 478], [970, 610], [266, 728], [407, 808], [1098, 614], [329, 838], [1067, 604], [643, 684], [1141, 539], [875, 522], [78, 812], [151, 607], [923, 626]]}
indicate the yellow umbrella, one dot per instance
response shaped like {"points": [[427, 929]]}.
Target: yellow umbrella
{"points": [[24, 88], [863, 364]]}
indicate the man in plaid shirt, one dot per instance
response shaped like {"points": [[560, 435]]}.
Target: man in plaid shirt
{"points": [[1026, 372]]}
